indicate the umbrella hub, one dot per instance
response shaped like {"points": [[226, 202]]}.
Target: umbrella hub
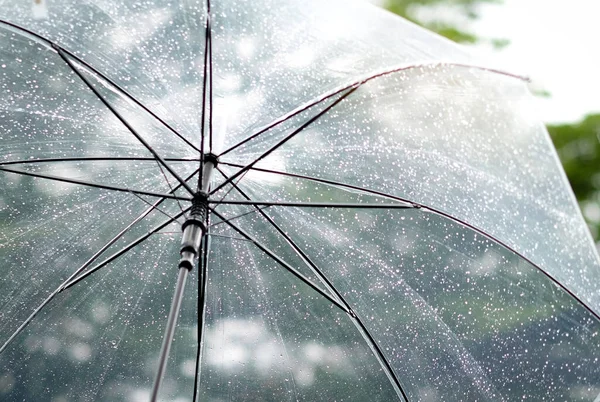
{"points": [[193, 230], [195, 226]]}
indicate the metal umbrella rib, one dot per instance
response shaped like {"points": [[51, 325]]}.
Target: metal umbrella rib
{"points": [[301, 204], [373, 344], [414, 205], [297, 249], [124, 250], [94, 185], [356, 84], [285, 139], [280, 261], [90, 159], [201, 308], [170, 186], [87, 82], [205, 83], [254, 211], [101, 75], [155, 208], [74, 277], [378, 351]]}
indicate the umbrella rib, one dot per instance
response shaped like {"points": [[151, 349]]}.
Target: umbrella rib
{"points": [[281, 262], [153, 206], [204, 87], [143, 215], [210, 77], [73, 276], [95, 185], [237, 217], [231, 189], [286, 138], [158, 209], [230, 237], [170, 186], [374, 346], [90, 159], [101, 75], [436, 211], [288, 239], [114, 111], [315, 204], [330, 182], [201, 307], [122, 251], [360, 82]]}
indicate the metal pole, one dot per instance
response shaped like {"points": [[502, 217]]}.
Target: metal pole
{"points": [[169, 331], [194, 229]]}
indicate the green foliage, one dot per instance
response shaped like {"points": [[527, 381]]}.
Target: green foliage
{"points": [[464, 8], [578, 147], [454, 34]]}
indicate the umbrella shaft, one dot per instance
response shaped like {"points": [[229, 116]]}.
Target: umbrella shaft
{"points": [[207, 174], [169, 331], [194, 229]]}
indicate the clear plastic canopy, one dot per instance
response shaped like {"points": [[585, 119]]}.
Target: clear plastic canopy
{"points": [[387, 221]]}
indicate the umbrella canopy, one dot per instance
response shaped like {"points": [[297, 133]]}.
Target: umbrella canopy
{"points": [[379, 218]]}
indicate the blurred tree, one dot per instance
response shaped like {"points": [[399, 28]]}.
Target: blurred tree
{"points": [[446, 23], [578, 147], [578, 144]]}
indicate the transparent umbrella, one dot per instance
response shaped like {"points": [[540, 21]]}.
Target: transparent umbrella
{"points": [[367, 214]]}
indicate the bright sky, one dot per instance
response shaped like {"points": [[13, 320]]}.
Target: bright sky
{"points": [[555, 43]]}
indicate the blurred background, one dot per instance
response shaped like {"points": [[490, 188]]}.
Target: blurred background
{"points": [[267, 335], [554, 46]]}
